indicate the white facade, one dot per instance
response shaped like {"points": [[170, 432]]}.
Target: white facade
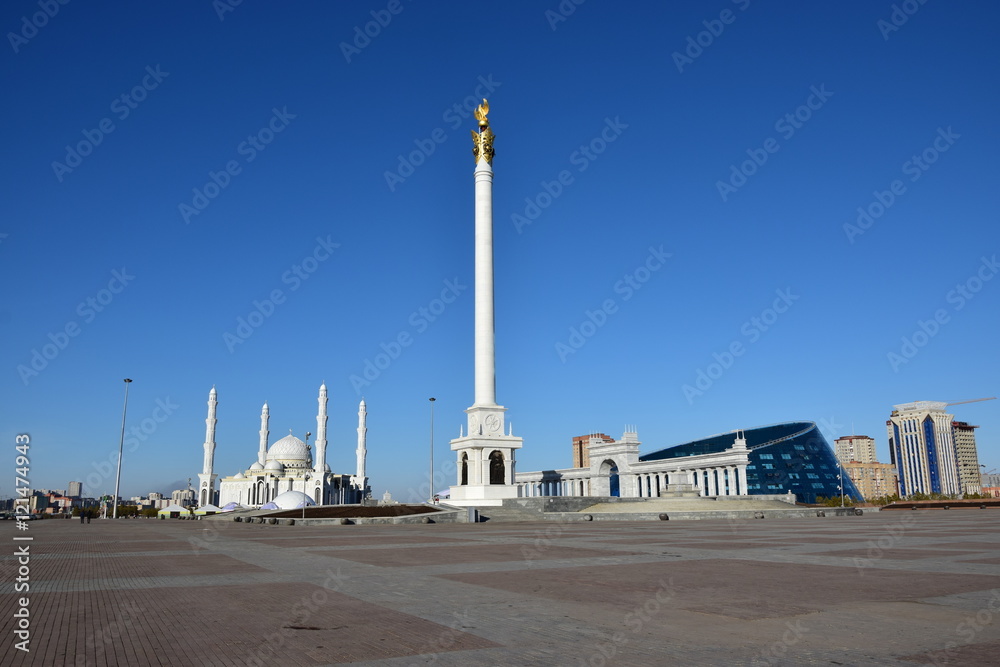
{"points": [[922, 448], [287, 465], [615, 470]]}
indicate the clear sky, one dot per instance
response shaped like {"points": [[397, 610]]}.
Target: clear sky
{"points": [[678, 241]]}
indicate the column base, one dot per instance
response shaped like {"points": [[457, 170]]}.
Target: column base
{"points": [[480, 495]]}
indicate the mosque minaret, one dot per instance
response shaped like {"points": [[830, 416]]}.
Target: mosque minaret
{"points": [[321, 419], [206, 480], [262, 451], [362, 438], [360, 478]]}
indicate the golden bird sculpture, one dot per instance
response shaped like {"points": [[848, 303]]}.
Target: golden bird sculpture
{"points": [[480, 113]]}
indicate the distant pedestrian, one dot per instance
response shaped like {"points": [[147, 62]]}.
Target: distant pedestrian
{"points": [[88, 517], [81, 517]]}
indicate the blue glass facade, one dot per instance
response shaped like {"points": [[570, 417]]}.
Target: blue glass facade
{"points": [[792, 456], [896, 455], [932, 462]]}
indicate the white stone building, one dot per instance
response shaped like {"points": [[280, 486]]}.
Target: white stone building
{"points": [[923, 449], [615, 470], [287, 465]]}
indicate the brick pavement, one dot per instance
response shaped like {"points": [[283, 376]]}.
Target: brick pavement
{"points": [[903, 588]]}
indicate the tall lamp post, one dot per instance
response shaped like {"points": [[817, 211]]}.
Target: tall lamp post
{"points": [[305, 482], [121, 445], [840, 478], [305, 502], [431, 484]]}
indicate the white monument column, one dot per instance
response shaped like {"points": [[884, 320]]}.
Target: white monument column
{"points": [[486, 389], [489, 448], [206, 480]]}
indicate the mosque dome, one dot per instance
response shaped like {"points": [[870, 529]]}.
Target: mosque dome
{"points": [[239, 475], [290, 500], [289, 450], [256, 467], [274, 466]]}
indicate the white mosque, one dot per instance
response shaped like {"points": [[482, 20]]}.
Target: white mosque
{"points": [[285, 474]]}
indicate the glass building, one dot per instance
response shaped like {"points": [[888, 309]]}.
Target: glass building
{"points": [[792, 456]]}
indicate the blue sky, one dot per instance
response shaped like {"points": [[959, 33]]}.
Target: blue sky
{"points": [[676, 199]]}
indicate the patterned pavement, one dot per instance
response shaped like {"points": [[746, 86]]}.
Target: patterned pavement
{"points": [[894, 588]]}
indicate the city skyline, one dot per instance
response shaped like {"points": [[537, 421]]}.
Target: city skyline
{"points": [[707, 217]]}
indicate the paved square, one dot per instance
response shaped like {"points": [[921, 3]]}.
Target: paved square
{"points": [[903, 588]]}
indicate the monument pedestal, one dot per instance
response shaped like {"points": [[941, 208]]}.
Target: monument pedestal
{"points": [[485, 462], [681, 491]]}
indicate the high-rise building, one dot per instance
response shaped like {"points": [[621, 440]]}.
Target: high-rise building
{"points": [[990, 485], [860, 448], [922, 448], [183, 497], [873, 479], [964, 436], [581, 448], [75, 489]]}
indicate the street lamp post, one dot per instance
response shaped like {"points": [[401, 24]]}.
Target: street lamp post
{"points": [[121, 445], [305, 485], [305, 482], [432, 450], [840, 478]]}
